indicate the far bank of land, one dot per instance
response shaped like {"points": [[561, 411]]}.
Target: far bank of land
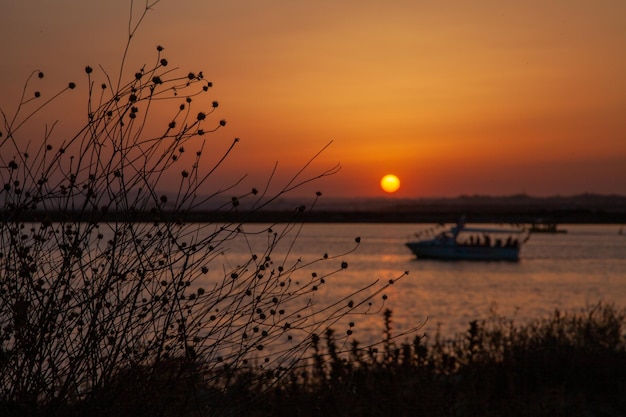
{"points": [[523, 209]]}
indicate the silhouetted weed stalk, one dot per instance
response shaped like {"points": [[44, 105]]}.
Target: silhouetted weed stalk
{"points": [[101, 296]]}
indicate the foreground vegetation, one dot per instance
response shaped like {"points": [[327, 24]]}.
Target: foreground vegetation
{"points": [[108, 294], [563, 365]]}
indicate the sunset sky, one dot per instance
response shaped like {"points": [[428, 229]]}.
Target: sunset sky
{"points": [[453, 97]]}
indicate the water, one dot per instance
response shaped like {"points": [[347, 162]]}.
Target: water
{"points": [[568, 272]]}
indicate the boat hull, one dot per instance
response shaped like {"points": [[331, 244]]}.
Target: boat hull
{"points": [[464, 252]]}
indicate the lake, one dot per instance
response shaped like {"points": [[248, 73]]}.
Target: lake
{"points": [[568, 272]]}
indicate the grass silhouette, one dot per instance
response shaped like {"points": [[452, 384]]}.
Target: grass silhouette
{"points": [[570, 364]]}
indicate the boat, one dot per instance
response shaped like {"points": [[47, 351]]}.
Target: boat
{"points": [[472, 244], [542, 227]]}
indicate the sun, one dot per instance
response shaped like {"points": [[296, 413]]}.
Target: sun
{"points": [[390, 183]]}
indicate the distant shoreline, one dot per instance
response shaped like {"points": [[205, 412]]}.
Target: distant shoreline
{"points": [[581, 209], [449, 215]]}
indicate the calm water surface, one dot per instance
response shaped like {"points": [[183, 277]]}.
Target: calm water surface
{"points": [[557, 271]]}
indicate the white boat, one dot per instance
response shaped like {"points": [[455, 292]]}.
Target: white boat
{"points": [[471, 243]]}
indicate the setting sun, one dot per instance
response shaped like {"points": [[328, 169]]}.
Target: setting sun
{"points": [[390, 183]]}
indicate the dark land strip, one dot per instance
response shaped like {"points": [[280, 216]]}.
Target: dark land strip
{"points": [[581, 209]]}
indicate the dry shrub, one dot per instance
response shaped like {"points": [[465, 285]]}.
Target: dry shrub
{"points": [[103, 283]]}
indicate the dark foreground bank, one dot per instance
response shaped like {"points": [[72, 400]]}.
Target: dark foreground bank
{"points": [[563, 365]]}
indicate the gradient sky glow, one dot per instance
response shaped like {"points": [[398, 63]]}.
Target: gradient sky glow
{"points": [[453, 97]]}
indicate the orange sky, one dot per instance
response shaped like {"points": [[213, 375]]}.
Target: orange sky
{"points": [[454, 97]]}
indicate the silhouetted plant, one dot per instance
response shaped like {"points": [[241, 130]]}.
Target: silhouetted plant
{"points": [[564, 364], [104, 286]]}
